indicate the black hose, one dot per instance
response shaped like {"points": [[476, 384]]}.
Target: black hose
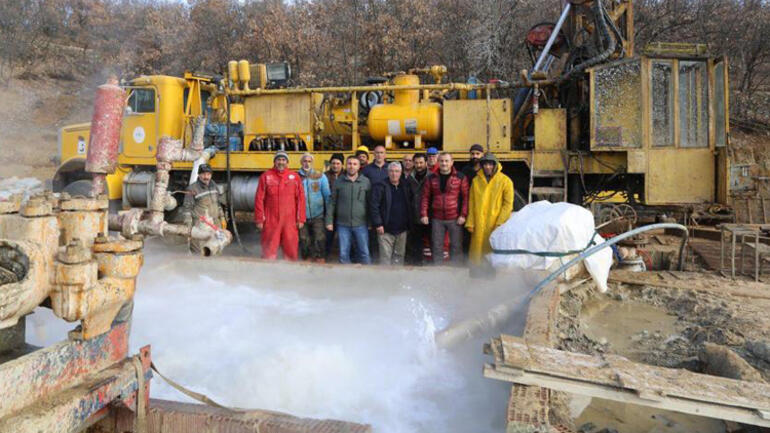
{"points": [[229, 180], [601, 24]]}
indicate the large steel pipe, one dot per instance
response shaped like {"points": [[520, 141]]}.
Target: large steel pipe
{"points": [[102, 156]]}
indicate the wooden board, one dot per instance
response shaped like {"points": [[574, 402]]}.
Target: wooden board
{"points": [[687, 281], [616, 378]]}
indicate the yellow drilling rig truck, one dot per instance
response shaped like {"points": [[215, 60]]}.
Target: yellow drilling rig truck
{"points": [[590, 121]]}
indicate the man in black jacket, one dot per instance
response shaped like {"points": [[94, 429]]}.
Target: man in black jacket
{"points": [[418, 240], [390, 210]]}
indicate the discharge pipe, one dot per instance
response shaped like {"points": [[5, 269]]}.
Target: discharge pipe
{"points": [[467, 329]]}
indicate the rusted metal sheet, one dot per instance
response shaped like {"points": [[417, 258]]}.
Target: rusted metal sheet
{"points": [[77, 407], [48, 371], [174, 417]]}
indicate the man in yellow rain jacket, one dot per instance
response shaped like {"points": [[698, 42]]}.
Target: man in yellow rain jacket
{"points": [[491, 204]]}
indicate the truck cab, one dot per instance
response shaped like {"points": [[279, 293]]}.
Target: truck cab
{"points": [[157, 105]]}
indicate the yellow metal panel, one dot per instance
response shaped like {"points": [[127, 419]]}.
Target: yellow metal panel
{"points": [[465, 123], [115, 183], [551, 129], [680, 176], [278, 114], [637, 161], [598, 162], [73, 141], [549, 160]]}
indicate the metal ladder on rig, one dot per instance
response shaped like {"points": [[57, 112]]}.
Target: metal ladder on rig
{"points": [[550, 177]]}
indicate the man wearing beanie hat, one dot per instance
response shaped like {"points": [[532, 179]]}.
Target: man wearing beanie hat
{"points": [[279, 209], [491, 204], [336, 163], [476, 152]]}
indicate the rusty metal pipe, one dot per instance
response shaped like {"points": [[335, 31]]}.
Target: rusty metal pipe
{"points": [[102, 157]]}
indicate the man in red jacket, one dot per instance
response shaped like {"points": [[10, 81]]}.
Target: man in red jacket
{"points": [[279, 209], [445, 199]]}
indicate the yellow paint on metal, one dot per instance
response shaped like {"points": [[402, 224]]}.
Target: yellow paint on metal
{"points": [[637, 161], [551, 129], [278, 114], [244, 74], [232, 71], [465, 123], [680, 176], [237, 113], [407, 117], [405, 122]]}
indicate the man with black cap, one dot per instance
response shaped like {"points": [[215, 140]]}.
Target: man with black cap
{"points": [[279, 209], [336, 163], [202, 200], [476, 152]]}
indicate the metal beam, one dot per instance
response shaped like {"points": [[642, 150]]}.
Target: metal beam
{"points": [[73, 409], [47, 371]]}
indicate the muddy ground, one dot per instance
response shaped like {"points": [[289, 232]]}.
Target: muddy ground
{"points": [[665, 327]]}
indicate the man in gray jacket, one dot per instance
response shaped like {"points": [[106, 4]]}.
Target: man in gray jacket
{"points": [[202, 200], [347, 211]]}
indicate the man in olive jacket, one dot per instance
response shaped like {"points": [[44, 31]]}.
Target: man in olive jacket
{"points": [[347, 211]]}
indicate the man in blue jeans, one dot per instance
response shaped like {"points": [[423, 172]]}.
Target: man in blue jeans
{"points": [[348, 211]]}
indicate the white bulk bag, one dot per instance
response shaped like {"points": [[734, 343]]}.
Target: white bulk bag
{"points": [[545, 227]]}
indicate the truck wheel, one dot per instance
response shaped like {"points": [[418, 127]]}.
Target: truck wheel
{"points": [[79, 187]]}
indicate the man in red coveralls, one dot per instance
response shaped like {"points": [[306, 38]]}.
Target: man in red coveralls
{"points": [[279, 209]]}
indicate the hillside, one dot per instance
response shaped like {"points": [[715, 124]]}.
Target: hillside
{"points": [[30, 117]]}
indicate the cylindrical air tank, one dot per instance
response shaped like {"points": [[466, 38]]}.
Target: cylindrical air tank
{"points": [[406, 117]]}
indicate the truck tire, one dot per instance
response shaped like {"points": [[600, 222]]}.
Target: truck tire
{"points": [[79, 187]]}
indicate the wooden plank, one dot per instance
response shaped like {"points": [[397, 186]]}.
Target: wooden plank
{"points": [[548, 367], [730, 413], [655, 279]]}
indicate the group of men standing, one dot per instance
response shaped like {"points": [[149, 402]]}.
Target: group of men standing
{"points": [[384, 211]]}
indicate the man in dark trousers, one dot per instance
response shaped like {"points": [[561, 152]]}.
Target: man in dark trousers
{"points": [[445, 197], [419, 235], [390, 210], [376, 172]]}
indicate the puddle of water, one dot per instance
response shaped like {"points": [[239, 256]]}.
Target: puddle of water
{"points": [[622, 323], [626, 418]]}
